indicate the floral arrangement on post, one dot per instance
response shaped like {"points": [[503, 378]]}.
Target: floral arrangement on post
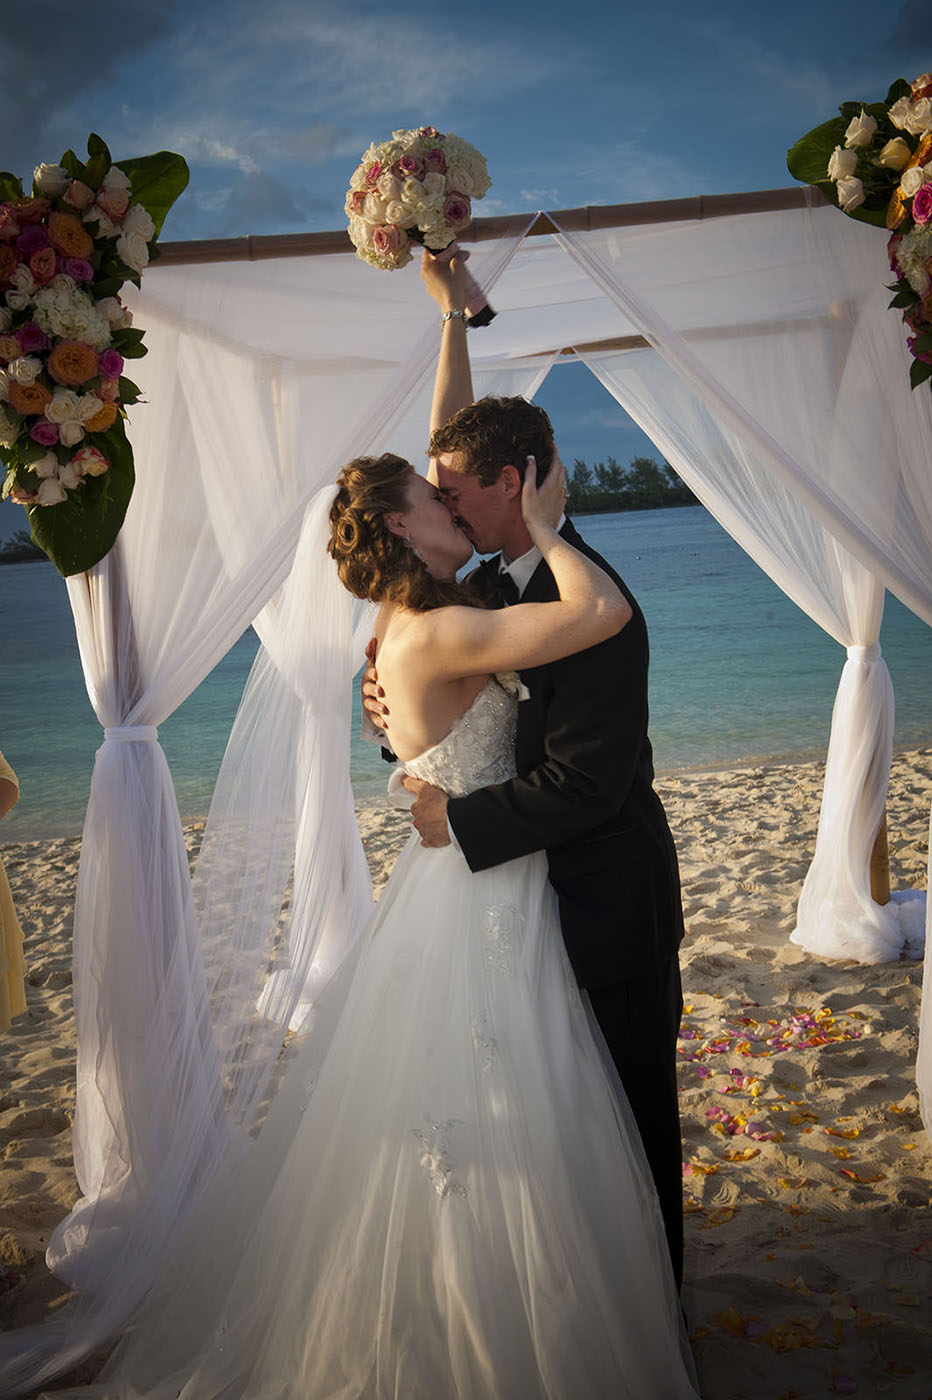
{"points": [[65, 251], [417, 188], [875, 163]]}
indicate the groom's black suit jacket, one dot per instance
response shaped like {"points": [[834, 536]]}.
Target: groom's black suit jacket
{"points": [[584, 793]]}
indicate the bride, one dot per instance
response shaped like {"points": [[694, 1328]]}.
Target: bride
{"points": [[449, 1198]]}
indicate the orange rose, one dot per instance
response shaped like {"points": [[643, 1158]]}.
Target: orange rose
{"points": [[70, 236], [72, 362], [896, 210], [8, 260], [31, 210], [28, 398], [103, 419]]}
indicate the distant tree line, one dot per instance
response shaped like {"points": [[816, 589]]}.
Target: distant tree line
{"points": [[19, 548], [644, 485]]}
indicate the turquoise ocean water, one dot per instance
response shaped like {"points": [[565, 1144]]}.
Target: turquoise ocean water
{"points": [[738, 674]]}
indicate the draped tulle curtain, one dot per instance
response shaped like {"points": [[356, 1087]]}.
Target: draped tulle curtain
{"points": [[247, 416]]}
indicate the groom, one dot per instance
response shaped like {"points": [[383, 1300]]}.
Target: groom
{"points": [[584, 791]]}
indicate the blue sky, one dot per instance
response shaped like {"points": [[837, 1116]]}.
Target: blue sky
{"points": [[273, 103]]}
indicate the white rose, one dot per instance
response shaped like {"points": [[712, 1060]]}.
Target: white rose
{"points": [[895, 154], [435, 183], [70, 477], [358, 178], [389, 188], [374, 209], [106, 228], [50, 180], [116, 313], [4, 386], [859, 132], [63, 407], [139, 220], [46, 466], [70, 433], [61, 282], [850, 194], [842, 163], [24, 369], [459, 178], [360, 231], [900, 111], [116, 179], [412, 191], [912, 180], [133, 250], [51, 492], [23, 280], [400, 214], [18, 301], [88, 405], [920, 117]]}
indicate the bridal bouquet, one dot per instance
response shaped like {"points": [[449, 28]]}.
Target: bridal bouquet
{"points": [[416, 188], [65, 251], [875, 163]]}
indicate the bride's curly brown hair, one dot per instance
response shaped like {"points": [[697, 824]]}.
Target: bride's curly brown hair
{"points": [[373, 562]]}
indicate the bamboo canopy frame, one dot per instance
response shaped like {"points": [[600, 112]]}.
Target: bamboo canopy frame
{"points": [[254, 248]]}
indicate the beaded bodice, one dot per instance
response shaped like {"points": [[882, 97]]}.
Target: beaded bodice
{"points": [[478, 750]]}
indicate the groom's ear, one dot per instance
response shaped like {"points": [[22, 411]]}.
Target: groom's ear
{"points": [[511, 482]]}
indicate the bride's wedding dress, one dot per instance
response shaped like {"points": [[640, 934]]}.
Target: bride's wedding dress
{"points": [[449, 1197]]}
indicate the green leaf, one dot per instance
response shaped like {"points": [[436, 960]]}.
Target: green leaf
{"points": [[79, 531], [97, 148], [903, 299], [157, 181], [130, 393], [107, 286], [808, 159], [128, 341], [74, 166], [11, 186], [919, 372], [901, 88]]}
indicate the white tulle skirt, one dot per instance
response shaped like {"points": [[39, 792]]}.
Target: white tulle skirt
{"points": [[448, 1198]]}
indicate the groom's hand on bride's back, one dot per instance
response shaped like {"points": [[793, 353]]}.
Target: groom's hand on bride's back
{"points": [[373, 696], [429, 812]]}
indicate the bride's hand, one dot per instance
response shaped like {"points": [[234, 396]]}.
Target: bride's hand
{"points": [[445, 281], [544, 505]]}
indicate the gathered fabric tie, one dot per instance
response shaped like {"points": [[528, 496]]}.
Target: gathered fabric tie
{"points": [[871, 653], [132, 734]]}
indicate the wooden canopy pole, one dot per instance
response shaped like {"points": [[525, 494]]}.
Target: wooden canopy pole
{"points": [[254, 247], [880, 866]]}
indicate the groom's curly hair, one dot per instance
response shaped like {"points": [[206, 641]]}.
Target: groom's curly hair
{"points": [[495, 432], [372, 561]]}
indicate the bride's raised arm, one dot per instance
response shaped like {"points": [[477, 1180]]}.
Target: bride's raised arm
{"points": [[453, 380], [469, 641]]}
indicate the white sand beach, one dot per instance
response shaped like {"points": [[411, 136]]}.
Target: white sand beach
{"points": [[807, 1172]]}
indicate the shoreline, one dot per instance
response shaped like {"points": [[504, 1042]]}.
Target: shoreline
{"points": [[807, 1172]]}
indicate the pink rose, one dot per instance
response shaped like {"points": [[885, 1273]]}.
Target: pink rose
{"points": [[408, 168], [922, 204], [109, 390], [389, 241], [31, 240], [90, 462], [114, 202], [78, 195], [374, 173], [430, 131], [23, 498], [892, 245], [78, 268], [110, 364], [31, 338], [43, 265], [44, 432], [435, 160], [457, 210]]}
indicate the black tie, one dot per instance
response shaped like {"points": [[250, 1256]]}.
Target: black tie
{"points": [[493, 585]]}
